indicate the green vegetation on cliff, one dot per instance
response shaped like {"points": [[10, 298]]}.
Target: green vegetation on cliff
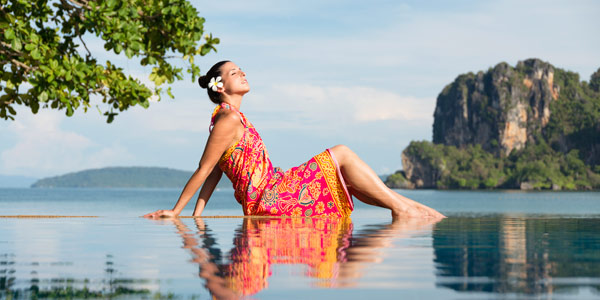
{"points": [[398, 180], [535, 167], [575, 119], [530, 127]]}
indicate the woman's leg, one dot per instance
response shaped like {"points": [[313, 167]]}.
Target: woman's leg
{"points": [[365, 185]]}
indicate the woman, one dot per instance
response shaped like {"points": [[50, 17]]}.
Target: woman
{"points": [[319, 187]]}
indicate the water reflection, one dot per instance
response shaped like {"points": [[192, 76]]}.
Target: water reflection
{"points": [[518, 255], [325, 248], [66, 286], [499, 255]]}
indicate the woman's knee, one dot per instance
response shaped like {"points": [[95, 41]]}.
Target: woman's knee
{"points": [[341, 152]]}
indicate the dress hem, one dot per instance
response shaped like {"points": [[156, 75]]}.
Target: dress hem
{"points": [[339, 173]]}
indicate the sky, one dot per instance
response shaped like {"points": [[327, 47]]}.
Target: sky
{"points": [[365, 74]]}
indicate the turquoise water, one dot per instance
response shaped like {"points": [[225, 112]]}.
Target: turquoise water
{"points": [[493, 245]]}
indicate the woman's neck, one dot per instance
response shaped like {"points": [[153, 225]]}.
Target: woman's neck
{"points": [[234, 100]]}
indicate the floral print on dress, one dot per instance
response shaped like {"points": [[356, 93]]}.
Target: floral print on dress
{"points": [[314, 188]]}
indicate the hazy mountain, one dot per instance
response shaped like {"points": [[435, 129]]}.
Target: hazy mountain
{"points": [[123, 177]]}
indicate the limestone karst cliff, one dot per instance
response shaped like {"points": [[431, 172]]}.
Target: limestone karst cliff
{"points": [[501, 109], [528, 126]]}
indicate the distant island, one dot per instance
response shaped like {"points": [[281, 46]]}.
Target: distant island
{"points": [[527, 127], [123, 177]]}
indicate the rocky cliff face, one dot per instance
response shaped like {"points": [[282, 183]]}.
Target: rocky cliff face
{"points": [[512, 127], [419, 171], [501, 109]]}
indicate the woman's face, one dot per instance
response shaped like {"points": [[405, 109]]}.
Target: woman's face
{"points": [[234, 79]]}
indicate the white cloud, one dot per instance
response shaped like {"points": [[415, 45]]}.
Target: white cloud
{"points": [[305, 106], [174, 115], [43, 148], [422, 47]]}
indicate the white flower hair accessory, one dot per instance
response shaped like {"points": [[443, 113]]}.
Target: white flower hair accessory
{"points": [[215, 83]]}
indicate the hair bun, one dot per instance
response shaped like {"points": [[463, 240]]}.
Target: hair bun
{"points": [[203, 81]]}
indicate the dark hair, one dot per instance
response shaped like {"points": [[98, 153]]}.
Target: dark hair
{"points": [[204, 80]]}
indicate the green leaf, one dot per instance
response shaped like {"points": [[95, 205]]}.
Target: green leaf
{"points": [[16, 44], [35, 54], [11, 110], [111, 117], [35, 106], [34, 38], [9, 34], [204, 50], [43, 96]]}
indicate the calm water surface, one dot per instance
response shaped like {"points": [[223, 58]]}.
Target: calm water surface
{"points": [[493, 245]]}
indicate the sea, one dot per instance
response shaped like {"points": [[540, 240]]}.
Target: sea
{"points": [[493, 245]]}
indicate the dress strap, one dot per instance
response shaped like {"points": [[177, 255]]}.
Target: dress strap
{"points": [[227, 106]]}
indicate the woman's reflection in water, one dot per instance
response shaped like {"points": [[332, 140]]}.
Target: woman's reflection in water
{"points": [[325, 246]]}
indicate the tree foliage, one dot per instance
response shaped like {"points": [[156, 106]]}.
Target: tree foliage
{"points": [[45, 61], [472, 167]]}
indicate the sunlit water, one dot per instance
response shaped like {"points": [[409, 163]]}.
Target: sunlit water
{"points": [[493, 245]]}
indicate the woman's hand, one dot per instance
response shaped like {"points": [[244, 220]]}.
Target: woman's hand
{"points": [[162, 213]]}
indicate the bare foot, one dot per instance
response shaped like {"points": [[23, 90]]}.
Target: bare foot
{"points": [[415, 209]]}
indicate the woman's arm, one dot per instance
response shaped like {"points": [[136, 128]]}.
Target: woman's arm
{"points": [[227, 131], [207, 189]]}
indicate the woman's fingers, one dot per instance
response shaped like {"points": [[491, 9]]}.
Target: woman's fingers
{"points": [[155, 215], [149, 215], [161, 214]]}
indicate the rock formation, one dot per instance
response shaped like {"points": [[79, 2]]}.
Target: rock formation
{"points": [[500, 109], [531, 126]]}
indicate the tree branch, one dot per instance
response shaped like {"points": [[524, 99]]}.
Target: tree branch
{"points": [[9, 102], [15, 54], [78, 9], [84, 45], [5, 45], [97, 90], [22, 65], [82, 4], [81, 39]]}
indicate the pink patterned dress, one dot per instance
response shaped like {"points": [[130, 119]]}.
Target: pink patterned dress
{"points": [[314, 188]]}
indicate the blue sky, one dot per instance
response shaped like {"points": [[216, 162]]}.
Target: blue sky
{"points": [[361, 73]]}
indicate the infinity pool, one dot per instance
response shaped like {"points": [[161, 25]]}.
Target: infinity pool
{"points": [[475, 253]]}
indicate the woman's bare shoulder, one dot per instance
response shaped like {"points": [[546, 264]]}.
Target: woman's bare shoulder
{"points": [[227, 119]]}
